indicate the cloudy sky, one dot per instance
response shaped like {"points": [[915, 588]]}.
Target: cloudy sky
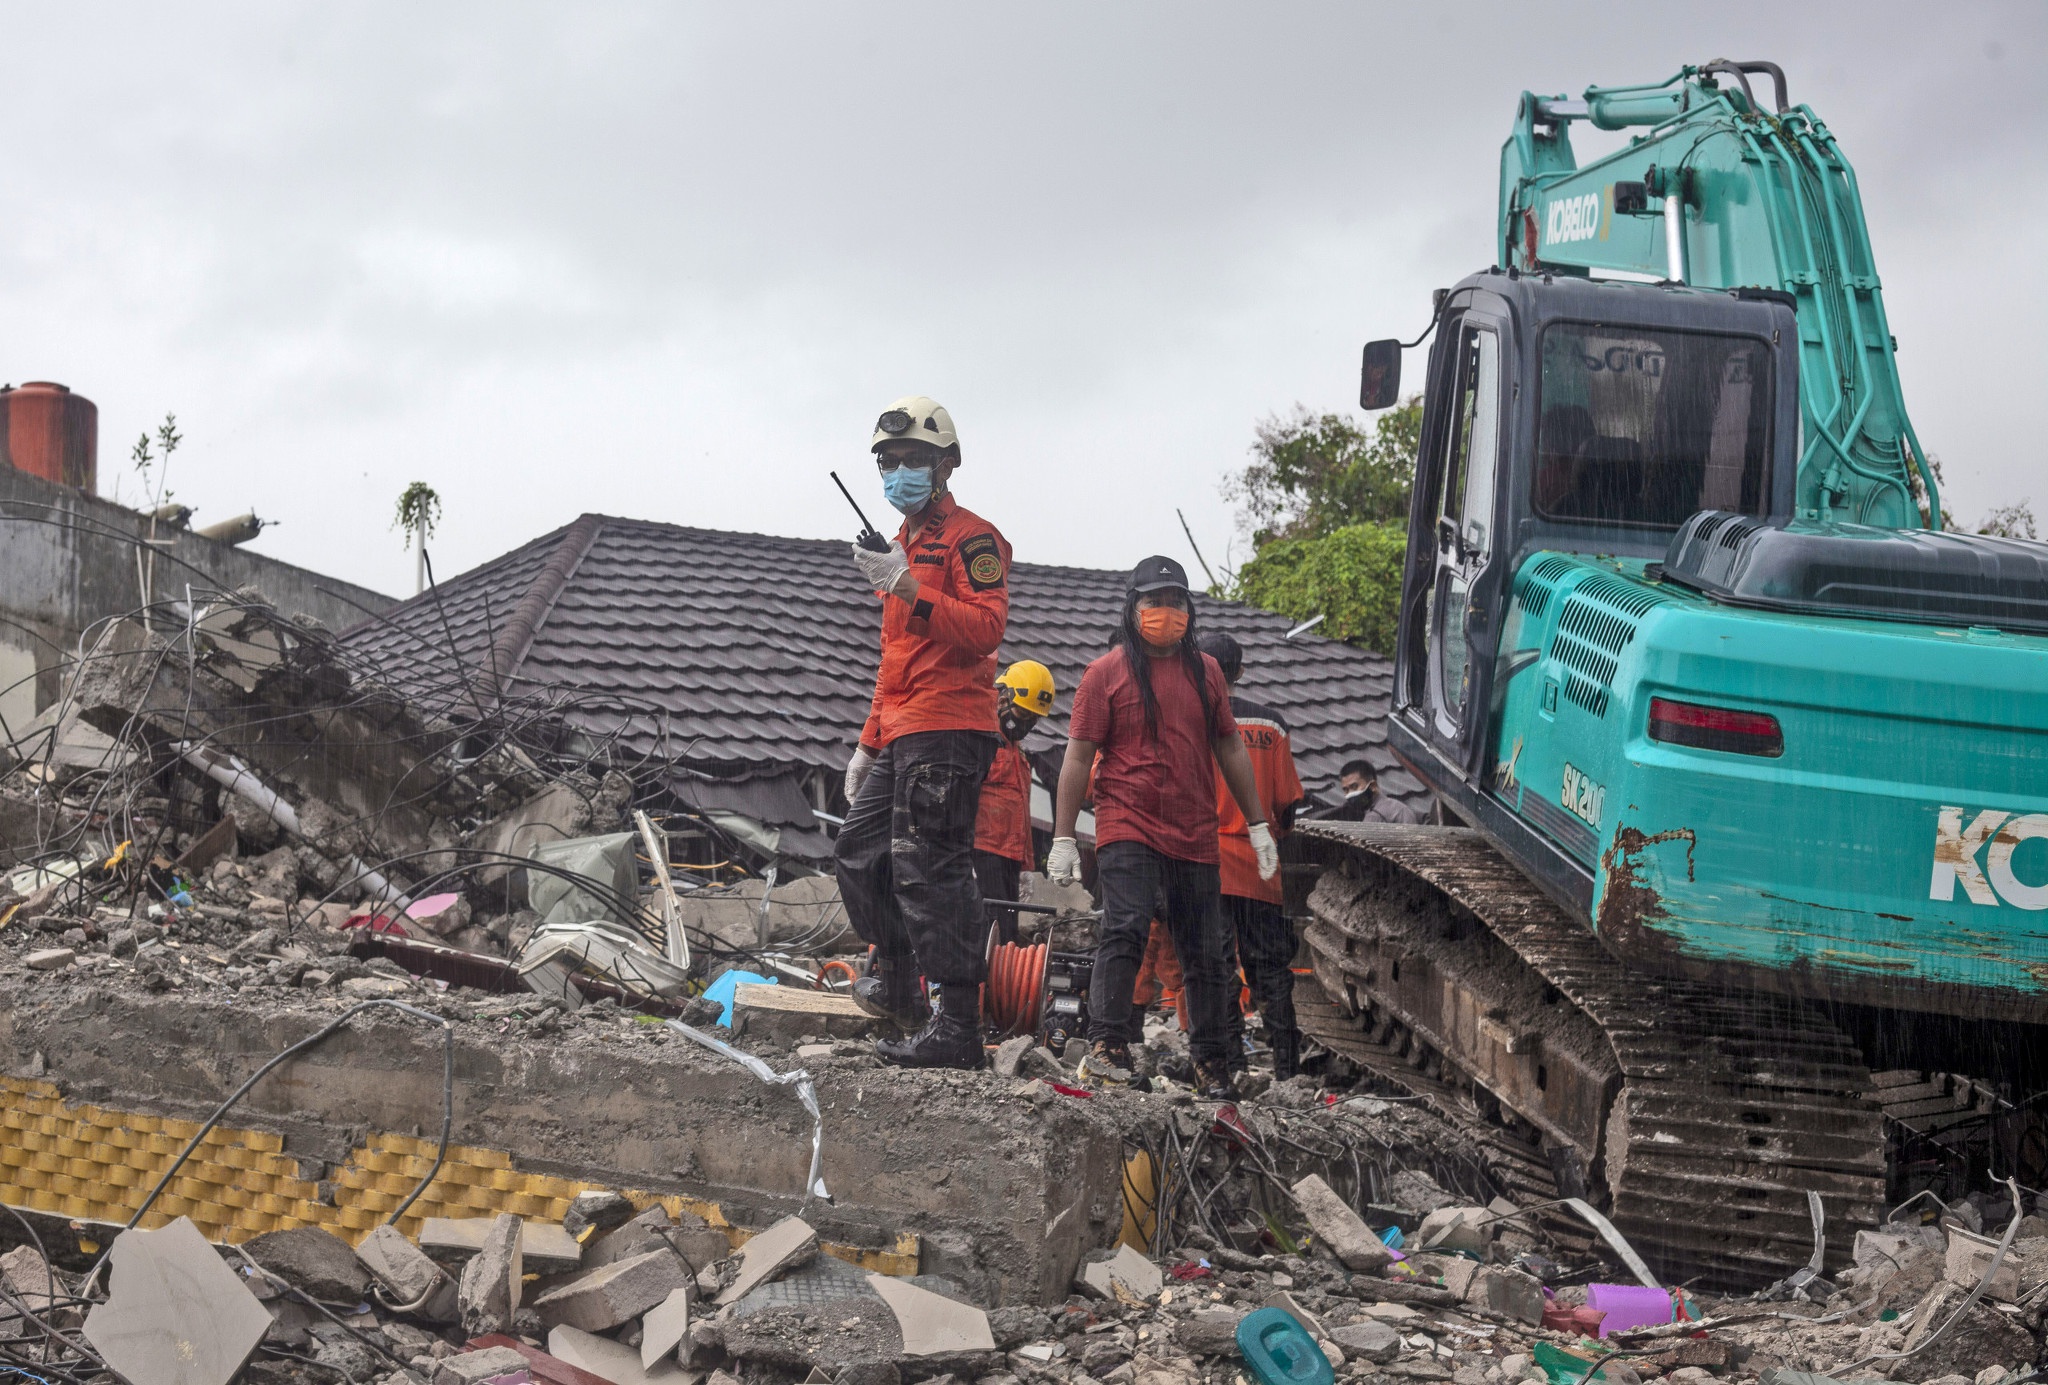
{"points": [[670, 261]]}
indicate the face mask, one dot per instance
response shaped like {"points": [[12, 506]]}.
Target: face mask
{"points": [[1162, 625], [1016, 725], [1353, 793], [907, 487]]}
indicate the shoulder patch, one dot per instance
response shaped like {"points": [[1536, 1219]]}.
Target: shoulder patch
{"points": [[984, 560]]}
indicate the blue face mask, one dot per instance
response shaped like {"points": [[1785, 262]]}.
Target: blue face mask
{"points": [[907, 487]]}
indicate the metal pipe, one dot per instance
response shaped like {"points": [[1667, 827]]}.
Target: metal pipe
{"points": [[1674, 227], [231, 774]]}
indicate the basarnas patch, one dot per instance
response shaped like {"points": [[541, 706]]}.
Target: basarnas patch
{"points": [[984, 562]]}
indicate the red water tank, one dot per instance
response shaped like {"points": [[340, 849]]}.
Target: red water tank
{"points": [[48, 431]]}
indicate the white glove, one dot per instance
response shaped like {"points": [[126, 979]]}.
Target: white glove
{"points": [[1268, 850], [857, 772], [882, 569], [1063, 862]]}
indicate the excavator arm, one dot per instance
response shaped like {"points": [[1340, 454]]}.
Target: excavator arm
{"points": [[1721, 193]]}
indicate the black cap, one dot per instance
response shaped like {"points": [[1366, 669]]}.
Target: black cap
{"points": [[1157, 573], [1227, 652]]}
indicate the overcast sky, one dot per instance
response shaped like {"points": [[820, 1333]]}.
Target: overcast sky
{"points": [[670, 261]]}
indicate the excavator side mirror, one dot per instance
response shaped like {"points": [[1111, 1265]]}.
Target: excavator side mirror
{"points": [[1379, 378]]}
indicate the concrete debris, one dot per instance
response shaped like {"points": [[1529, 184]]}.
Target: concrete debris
{"points": [[544, 1246], [410, 1277], [782, 1247], [175, 1314], [314, 1261], [480, 1367], [602, 1299], [490, 1285], [1970, 1256], [932, 1324], [614, 1361], [49, 958], [1340, 1228], [1126, 1269], [665, 1329], [596, 1211]]}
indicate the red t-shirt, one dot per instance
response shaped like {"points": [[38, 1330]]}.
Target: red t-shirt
{"points": [[1157, 790], [1002, 826]]}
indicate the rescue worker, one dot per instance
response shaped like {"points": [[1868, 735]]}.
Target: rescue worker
{"points": [[1002, 831], [1254, 904], [1363, 801], [905, 854], [1158, 711]]}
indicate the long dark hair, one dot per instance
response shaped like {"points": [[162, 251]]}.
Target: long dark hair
{"points": [[1141, 664]]}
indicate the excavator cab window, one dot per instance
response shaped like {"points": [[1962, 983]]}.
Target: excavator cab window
{"points": [[1649, 425], [1465, 521]]}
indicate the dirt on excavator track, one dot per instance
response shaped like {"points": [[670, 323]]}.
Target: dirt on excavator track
{"points": [[1700, 1119]]}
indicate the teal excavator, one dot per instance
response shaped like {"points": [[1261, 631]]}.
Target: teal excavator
{"points": [[1743, 756]]}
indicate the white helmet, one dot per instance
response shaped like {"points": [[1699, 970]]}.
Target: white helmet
{"points": [[918, 418]]}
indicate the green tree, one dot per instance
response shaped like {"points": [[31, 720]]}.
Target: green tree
{"points": [[1312, 473], [1326, 504], [1350, 576]]}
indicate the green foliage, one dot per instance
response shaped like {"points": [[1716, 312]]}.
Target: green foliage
{"points": [[1351, 576], [1326, 502], [155, 467], [419, 510], [1311, 474]]}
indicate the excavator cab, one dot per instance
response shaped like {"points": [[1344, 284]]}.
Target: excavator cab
{"points": [[1566, 414]]}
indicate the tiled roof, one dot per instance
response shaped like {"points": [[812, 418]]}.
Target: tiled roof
{"points": [[760, 652]]}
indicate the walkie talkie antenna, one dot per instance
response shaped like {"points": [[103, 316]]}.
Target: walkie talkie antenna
{"points": [[870, 537]]}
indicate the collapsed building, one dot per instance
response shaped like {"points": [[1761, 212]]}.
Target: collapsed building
{"points": [[354, 1023]]}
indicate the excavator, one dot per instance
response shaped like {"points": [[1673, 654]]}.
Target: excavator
{"points": [[1742, 755]]}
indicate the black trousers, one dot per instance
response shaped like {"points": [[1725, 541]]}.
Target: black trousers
{"points": [[905, 856], [998, 879], [1265, 949], [1132, 878]]}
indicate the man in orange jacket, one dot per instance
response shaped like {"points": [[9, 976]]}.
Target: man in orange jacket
{"points": [[1002, 830], [905, 853], [1254, 904]]}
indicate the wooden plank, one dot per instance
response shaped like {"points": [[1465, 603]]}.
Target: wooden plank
{"points": [[794, 999]]}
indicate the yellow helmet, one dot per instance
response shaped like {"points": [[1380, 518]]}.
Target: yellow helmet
{"points": [[1029, 684], [918, 418]]}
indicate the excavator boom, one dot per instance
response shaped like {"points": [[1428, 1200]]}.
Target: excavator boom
{"points": [[1720, 193]]}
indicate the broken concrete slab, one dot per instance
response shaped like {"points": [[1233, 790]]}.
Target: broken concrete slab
{"points": [[787, 1013], [29, 1278], [49, 958], [1449, 1230], [1212, 1332], [1010, 1053], [601, 1299], [689, 1235], [175, 1315], [1340, 1228], [783, 1246], [1510, 1293], [1127, 1267], [475, 1367], [1375, 1341], [489, 1291], [615, 1361], [408, 1274], [932, 1324], [666, 1327], [314, 1261], [545, 1246], [596, 1212], [1969, 1255]]}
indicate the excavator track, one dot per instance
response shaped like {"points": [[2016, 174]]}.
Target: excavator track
{"points": [[1700, 1117]]}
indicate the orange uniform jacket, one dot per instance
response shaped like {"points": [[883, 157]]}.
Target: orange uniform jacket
{"points": [[1272, 754], [1003, 825], [939, 650]]}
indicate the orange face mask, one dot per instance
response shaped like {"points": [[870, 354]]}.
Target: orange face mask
{"points": [[1162, 625]]}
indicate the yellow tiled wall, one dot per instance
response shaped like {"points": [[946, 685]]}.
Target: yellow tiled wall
{"points": [[91, 1163]]}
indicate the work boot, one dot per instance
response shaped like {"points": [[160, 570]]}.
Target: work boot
{"points": [[1286, 1056], [1213, 1082], [950, 1039], [1108, 1065], [893, 991]]}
